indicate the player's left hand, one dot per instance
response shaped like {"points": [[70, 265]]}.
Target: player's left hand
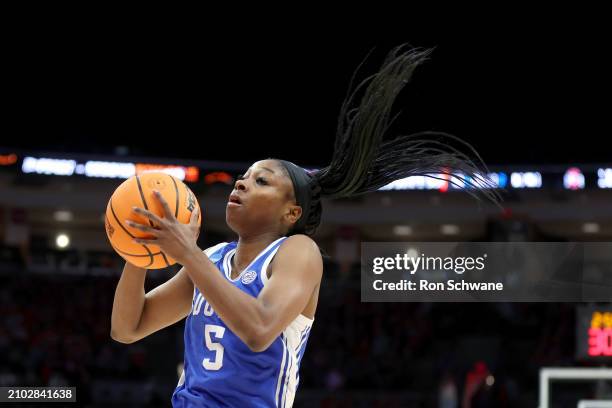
{"points": [[174, 238]]}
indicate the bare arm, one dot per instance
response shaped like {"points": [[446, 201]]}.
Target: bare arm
{"points": [[136, 314], [298, 268]]}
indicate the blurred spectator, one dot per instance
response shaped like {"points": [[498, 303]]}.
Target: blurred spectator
{"points": [[347, 249], [447, 396], [17, 232], [474, 382]]}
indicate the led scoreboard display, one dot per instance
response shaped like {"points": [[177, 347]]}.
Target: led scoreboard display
{"points": [[594, 333]]}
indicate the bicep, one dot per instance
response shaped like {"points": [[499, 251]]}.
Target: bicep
{"points": [[297, 270], [166, 304]]}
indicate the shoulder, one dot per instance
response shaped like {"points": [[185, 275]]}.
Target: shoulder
{"points": [[217, 252], [211, 250], [300, 243], [299, 251], [297, 255]]}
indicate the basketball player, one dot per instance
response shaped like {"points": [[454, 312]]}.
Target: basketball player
{"points": [[250, 304]]}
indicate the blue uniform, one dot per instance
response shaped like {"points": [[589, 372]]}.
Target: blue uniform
{"points": [[219, 369]]}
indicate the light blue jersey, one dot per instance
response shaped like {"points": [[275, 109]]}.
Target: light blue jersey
{"points": [[219, 369]]}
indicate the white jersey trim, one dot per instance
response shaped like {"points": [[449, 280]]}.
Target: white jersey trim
{"points": [[263, 275], [280, 374], [293, 337], [214, 248], [228, 264]]}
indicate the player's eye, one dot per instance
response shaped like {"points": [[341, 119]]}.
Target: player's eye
{"points": [[261, 180]]}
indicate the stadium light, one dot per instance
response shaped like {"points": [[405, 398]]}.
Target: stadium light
{"points": [[62, 241]]}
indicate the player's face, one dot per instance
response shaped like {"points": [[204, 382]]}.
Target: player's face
{"points": [[262, 201]]}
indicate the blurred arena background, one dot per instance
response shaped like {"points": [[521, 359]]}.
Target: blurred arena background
{"points": [[84, 115], [58, 276]]}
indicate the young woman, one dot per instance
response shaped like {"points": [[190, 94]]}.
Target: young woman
{"points": [[250, 304]]}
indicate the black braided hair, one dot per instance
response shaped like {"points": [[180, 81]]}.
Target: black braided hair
{"points": [[362, 162], [316, 209]]}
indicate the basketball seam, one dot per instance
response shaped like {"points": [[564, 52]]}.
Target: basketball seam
{"points": [[177, 196], [138, 256], [128, 232], [144, 201], [165, 259]]}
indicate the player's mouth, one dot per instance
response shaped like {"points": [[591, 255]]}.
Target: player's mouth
{"points": [[234, 200]]}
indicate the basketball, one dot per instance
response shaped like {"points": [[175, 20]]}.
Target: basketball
{"points": [[137, 191]]}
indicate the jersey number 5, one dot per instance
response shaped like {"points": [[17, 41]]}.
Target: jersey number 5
{"points": [[218, 331]]}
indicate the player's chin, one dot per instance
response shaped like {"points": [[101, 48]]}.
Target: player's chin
{"points": [[234, 216], [241, 219]]}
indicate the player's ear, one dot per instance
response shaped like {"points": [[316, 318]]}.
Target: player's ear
{"points": [[293, 214]]}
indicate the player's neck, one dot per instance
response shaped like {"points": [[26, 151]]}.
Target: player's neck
{"points": [[248, 248]]}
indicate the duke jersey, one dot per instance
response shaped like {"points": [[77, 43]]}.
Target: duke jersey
{"points": [[219, 369]]}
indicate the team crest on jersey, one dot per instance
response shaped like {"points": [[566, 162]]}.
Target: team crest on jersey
{"points": [[248, 277]]}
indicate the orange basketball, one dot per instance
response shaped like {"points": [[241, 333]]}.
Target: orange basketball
{"points": [[137, 191]]}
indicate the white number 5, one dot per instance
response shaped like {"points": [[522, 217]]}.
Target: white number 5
{"points": [[218, 331]]}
